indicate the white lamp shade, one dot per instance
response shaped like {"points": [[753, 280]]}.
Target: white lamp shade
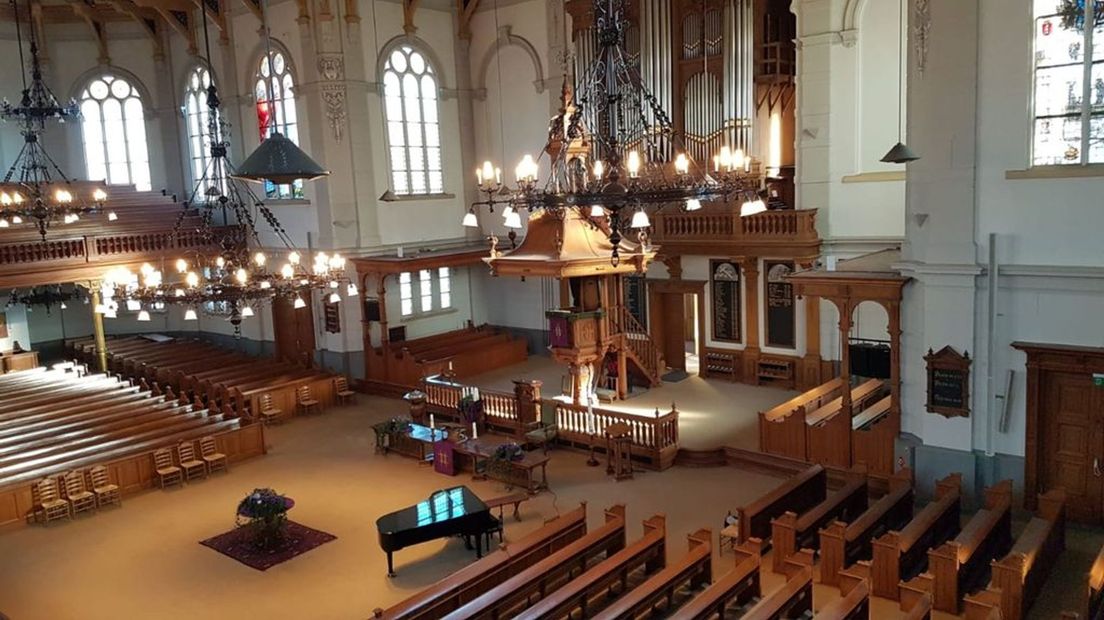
{"points": [[190, 315], [247, 312], [470, 220], [640, 219], [334, 298], [513, 219], [143, 316], [693, 204], [299, 303], [753, 207], [133, 305], [352, 290], [597, 211]]}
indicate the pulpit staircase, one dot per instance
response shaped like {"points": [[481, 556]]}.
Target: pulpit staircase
{"points": [[639, 348]]}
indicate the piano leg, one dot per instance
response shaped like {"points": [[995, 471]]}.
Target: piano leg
{"points": [[479, 545], [390, 565]]}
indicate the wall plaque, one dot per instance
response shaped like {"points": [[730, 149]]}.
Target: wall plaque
{"points": [[724, 277], [372, 309], [949, 382], [781, 320], [332, 313], [636, 297]]}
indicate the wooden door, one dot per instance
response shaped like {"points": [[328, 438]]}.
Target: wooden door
{"points": [[294, 331], [1072, 444], [673, 319]]}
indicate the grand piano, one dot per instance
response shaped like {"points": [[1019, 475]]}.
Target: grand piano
{"points": [[449, 512]]}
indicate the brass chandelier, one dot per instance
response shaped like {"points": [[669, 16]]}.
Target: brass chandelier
{"points": [[630, 161], [35, 190]]}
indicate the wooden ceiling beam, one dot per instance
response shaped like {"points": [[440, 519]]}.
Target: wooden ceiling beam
{"points": [[88, 11], [213, 9], [181, 22], [254, 7], [149, 23], [410, 7], [467, 10]]}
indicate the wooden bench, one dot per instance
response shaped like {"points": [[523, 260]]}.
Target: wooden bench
{"points": [[550, 573], [782, 428], [797, 494], [843, 544], [901, 555], [658, 594], [1094, 603], [501, 502], [921, 609], [597, 585], [792, 600], [853, 605], [960, 566], [790, 532], [471, 581], [738, 587], [873, 438], [1017, 577], [829, 428]]}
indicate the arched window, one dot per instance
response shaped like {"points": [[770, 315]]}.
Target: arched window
{"points": [[413, 132], [114, 131], [196, 119], [281, 114]]}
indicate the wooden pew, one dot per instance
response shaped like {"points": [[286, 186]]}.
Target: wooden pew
{"points": [[550, 573], [921, 609], [853, 605], [473, 580], [693, 570], [1094, 605], [1018, 577], [583, 594], [960, 566], [790, 601], [828, 429], [842, 544], [797, 494], [790, 532], [782, 428], [738, 587], [873, 437], [901, 555]]}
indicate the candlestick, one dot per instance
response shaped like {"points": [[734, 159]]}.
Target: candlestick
{"points": [[475, 431], [432, 422]]}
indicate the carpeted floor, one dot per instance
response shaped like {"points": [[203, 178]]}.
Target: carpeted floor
{"points": [[239, 545]]}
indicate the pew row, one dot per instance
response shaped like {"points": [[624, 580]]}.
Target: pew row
{"points": [[790, 532], [853, 605], [737, 588], [1017, 577], [796, 494], [659, 594], [792, 600], [900, 555], [467, 352], [960, 566], [466, 584]]}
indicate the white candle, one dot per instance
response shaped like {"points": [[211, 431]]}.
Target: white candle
{"points": [[475, 431], [432, 422]]}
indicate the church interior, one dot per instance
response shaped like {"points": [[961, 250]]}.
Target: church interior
{"points": [[458, 309]]}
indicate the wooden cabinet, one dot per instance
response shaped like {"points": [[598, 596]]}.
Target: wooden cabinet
{"points": [[11, 362]]}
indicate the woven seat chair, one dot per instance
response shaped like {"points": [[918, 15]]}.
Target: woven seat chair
{"points": [[269, 414], [214, 459], [306, 402], [80, 498], [167, 472], [342, 391], [106, 492], [49, 505], [192, 466]]}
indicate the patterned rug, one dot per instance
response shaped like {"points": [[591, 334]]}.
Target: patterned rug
{"points": [[237, 545]]}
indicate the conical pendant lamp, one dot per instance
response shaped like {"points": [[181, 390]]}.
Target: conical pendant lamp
{"points": [[277, 159], [900, 153]]}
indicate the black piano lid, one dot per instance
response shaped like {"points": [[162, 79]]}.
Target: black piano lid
{"points": [[443, 505]]}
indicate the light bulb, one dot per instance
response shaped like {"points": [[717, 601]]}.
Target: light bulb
{"points": [[333, 284], [220, 262], [526, 171], [260, 259], [294, 258], [179, 292], [726, 158], [16, 219], [99, 195], [5, 199], [470, 220], [352, 291], [599, 169], [145, 269], [265, 285], [247, 312], [133, 305], [634, 164], [181, 265], [4, 223], [299, 303], [513, 220], [111, 216], [143, 316], [334, 298], [640, 219], [17, 198], [242, 276], [682, 164], [287, 271], [192, 280], [597, 211], [63, 306], [190, 315], [486, 174], [693, 204]]}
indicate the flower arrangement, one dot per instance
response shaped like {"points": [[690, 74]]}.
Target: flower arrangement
{"points": [[394, 426], [1072, 13], [264, 511], [508, 452], [471, 410]]}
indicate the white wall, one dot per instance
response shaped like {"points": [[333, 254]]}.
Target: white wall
{"points": [[16, 317]]}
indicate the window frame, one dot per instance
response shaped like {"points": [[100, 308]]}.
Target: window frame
{"points": [[136, 92], [203, 118], [278, 113], [419, 288], [1088, 113], [409, 47]]}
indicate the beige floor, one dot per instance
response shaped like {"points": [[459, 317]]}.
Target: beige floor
{"points": [[713, 413]]}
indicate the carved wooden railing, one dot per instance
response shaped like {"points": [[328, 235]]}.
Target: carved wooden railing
{"points": [[654, 438], [730, 226], [639, 342], [500, 407], [101, 248]]}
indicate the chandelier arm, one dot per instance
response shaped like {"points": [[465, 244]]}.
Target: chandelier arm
{"points": [[53, 163], [18, 159], [19, 39]]}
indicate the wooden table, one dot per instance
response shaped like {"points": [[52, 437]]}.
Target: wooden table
{"points": [[521, 472], [417, 442]]}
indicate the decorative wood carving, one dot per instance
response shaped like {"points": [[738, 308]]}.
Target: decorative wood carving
{"points": [[922, 32], [949, 382]]}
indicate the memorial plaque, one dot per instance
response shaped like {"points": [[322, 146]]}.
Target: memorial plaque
{"points": [[332, 315], [371, 309], [781, 320], [948, 382], [725, 303], [636, 297]]}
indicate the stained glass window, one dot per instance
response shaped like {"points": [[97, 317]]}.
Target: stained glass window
{"points": [[113, 128], [413, 130], [280, 115], [196, 119], [1069, 112]]}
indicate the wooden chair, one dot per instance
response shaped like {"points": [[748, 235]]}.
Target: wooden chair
{"points": [[167, 472], [105, 491], [268, 412], [305, 401], [214, 459], [342, 391], [49, 505], [192, 466], [80, 498]]}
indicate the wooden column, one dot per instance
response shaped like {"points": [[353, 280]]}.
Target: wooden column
{"points": [[750, 267], [893, 309], [98, 327], [845, 308], [810, 375], [385, 339]]}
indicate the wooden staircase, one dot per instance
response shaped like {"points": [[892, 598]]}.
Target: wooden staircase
{"points": [[639, 348]]}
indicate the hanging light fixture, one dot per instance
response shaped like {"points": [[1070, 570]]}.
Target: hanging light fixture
{"points": [[277, 159], [900, 153], [40, 193], [630, 158], [470, 219]]}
